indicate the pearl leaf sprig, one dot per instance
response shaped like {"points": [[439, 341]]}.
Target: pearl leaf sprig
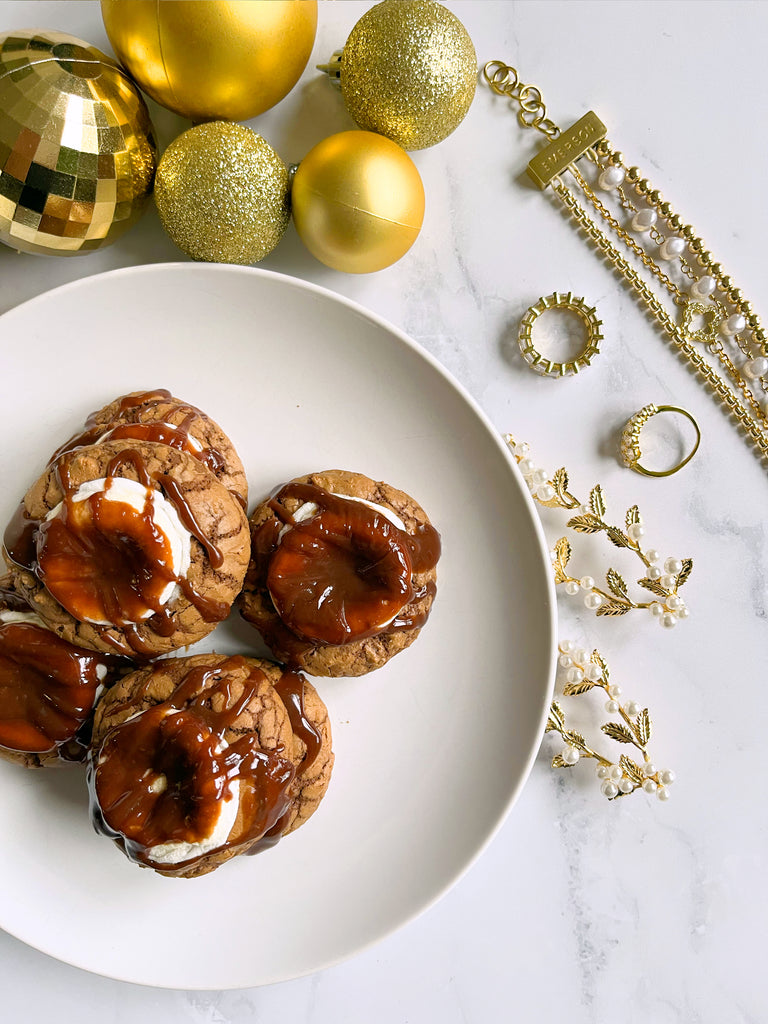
{"points": [[662, 580], [618, 777]]}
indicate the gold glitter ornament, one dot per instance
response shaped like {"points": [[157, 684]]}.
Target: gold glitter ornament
{"points": [[222, 194], [77, 147], [211, 59], [358, 202], [408, 71]]}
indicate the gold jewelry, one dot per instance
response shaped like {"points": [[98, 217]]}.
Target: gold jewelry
{"points": [[630, 439], [548, 367], [711, 311]]}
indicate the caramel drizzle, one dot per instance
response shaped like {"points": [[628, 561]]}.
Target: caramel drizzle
{"points": [[178, 436], [422, 547], [179, 739], [47, 690], [24, 538]]}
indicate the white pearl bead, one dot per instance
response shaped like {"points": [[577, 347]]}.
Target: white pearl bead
{"points": [[654, 572], [668, 620], [684, 612], [703, 287], [649, 769], [668, 581], [571, 755], [662, 793], [644, 220], [592, 601], [614, 691], [667, 776], [565, 660], [626, 786], [587, 582], [755, 368], [602, 771], [527, 467], [673, 565], [635, 531], [653, 555], [734, 324], [632, 708], [609, 789], [611, 706], [649, 786], [674, 603], [572, 588], [580, 656], [656, 609], [567, 646], [545, 492], [539, 476], [593, 672], [610, 178], [616, 772], [671, 248], [521, 449], [574, 675]]}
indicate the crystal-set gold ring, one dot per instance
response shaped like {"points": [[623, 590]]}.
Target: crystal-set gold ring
{"points": [[549, 367], [630, 439]]}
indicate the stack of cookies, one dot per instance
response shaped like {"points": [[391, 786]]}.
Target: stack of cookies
{"points": [[134, 543]]}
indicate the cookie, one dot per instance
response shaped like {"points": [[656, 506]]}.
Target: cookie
{"points": [[158, 416], [132, 548], [342, 574], [195, 760], [48, 688]]}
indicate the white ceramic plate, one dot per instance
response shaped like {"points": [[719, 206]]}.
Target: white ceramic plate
{"points": [[431, 750]]}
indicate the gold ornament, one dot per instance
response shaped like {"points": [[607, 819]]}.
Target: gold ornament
{"points": [[408, 71], [358, 202], [222, 194], [210, 59], [77, 147]]}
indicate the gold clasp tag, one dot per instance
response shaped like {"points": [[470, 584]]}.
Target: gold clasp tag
{"points": [[566, 148], [702, 323]]}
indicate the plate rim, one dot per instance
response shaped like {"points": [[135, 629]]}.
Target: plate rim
{"points": [[551, 623]]}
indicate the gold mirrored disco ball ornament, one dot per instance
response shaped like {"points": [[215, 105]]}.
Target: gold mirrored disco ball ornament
{"points": [[408, 71], [77, 147], [212, 59], [358, 202]]}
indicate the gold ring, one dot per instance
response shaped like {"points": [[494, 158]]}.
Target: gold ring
{"points": [[630, 439], [548, 367]]}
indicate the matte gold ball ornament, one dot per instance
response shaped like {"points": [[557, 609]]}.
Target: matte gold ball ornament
{"points": [[408, 71], [77, 147], [213, 59], [222, 194], [358, 202]]}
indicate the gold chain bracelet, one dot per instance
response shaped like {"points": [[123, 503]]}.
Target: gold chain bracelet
{"points": [[711, 311]]}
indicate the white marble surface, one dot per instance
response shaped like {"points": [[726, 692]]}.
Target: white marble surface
{"points": [[580, 910]]}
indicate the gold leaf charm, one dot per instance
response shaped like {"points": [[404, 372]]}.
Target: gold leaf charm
{"points": [[712, 315]]}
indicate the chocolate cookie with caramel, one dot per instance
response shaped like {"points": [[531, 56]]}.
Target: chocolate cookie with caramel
{"points": [[128, 547], [48, 688], [158, 416], [342, 574], [196, 760]]}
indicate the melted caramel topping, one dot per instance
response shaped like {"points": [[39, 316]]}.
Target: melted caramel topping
{"points": [[106, 562], [47, 689], [161, 776], [344, 574]]}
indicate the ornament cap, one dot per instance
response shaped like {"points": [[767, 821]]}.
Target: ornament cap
{"points": [[333, 67]]}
